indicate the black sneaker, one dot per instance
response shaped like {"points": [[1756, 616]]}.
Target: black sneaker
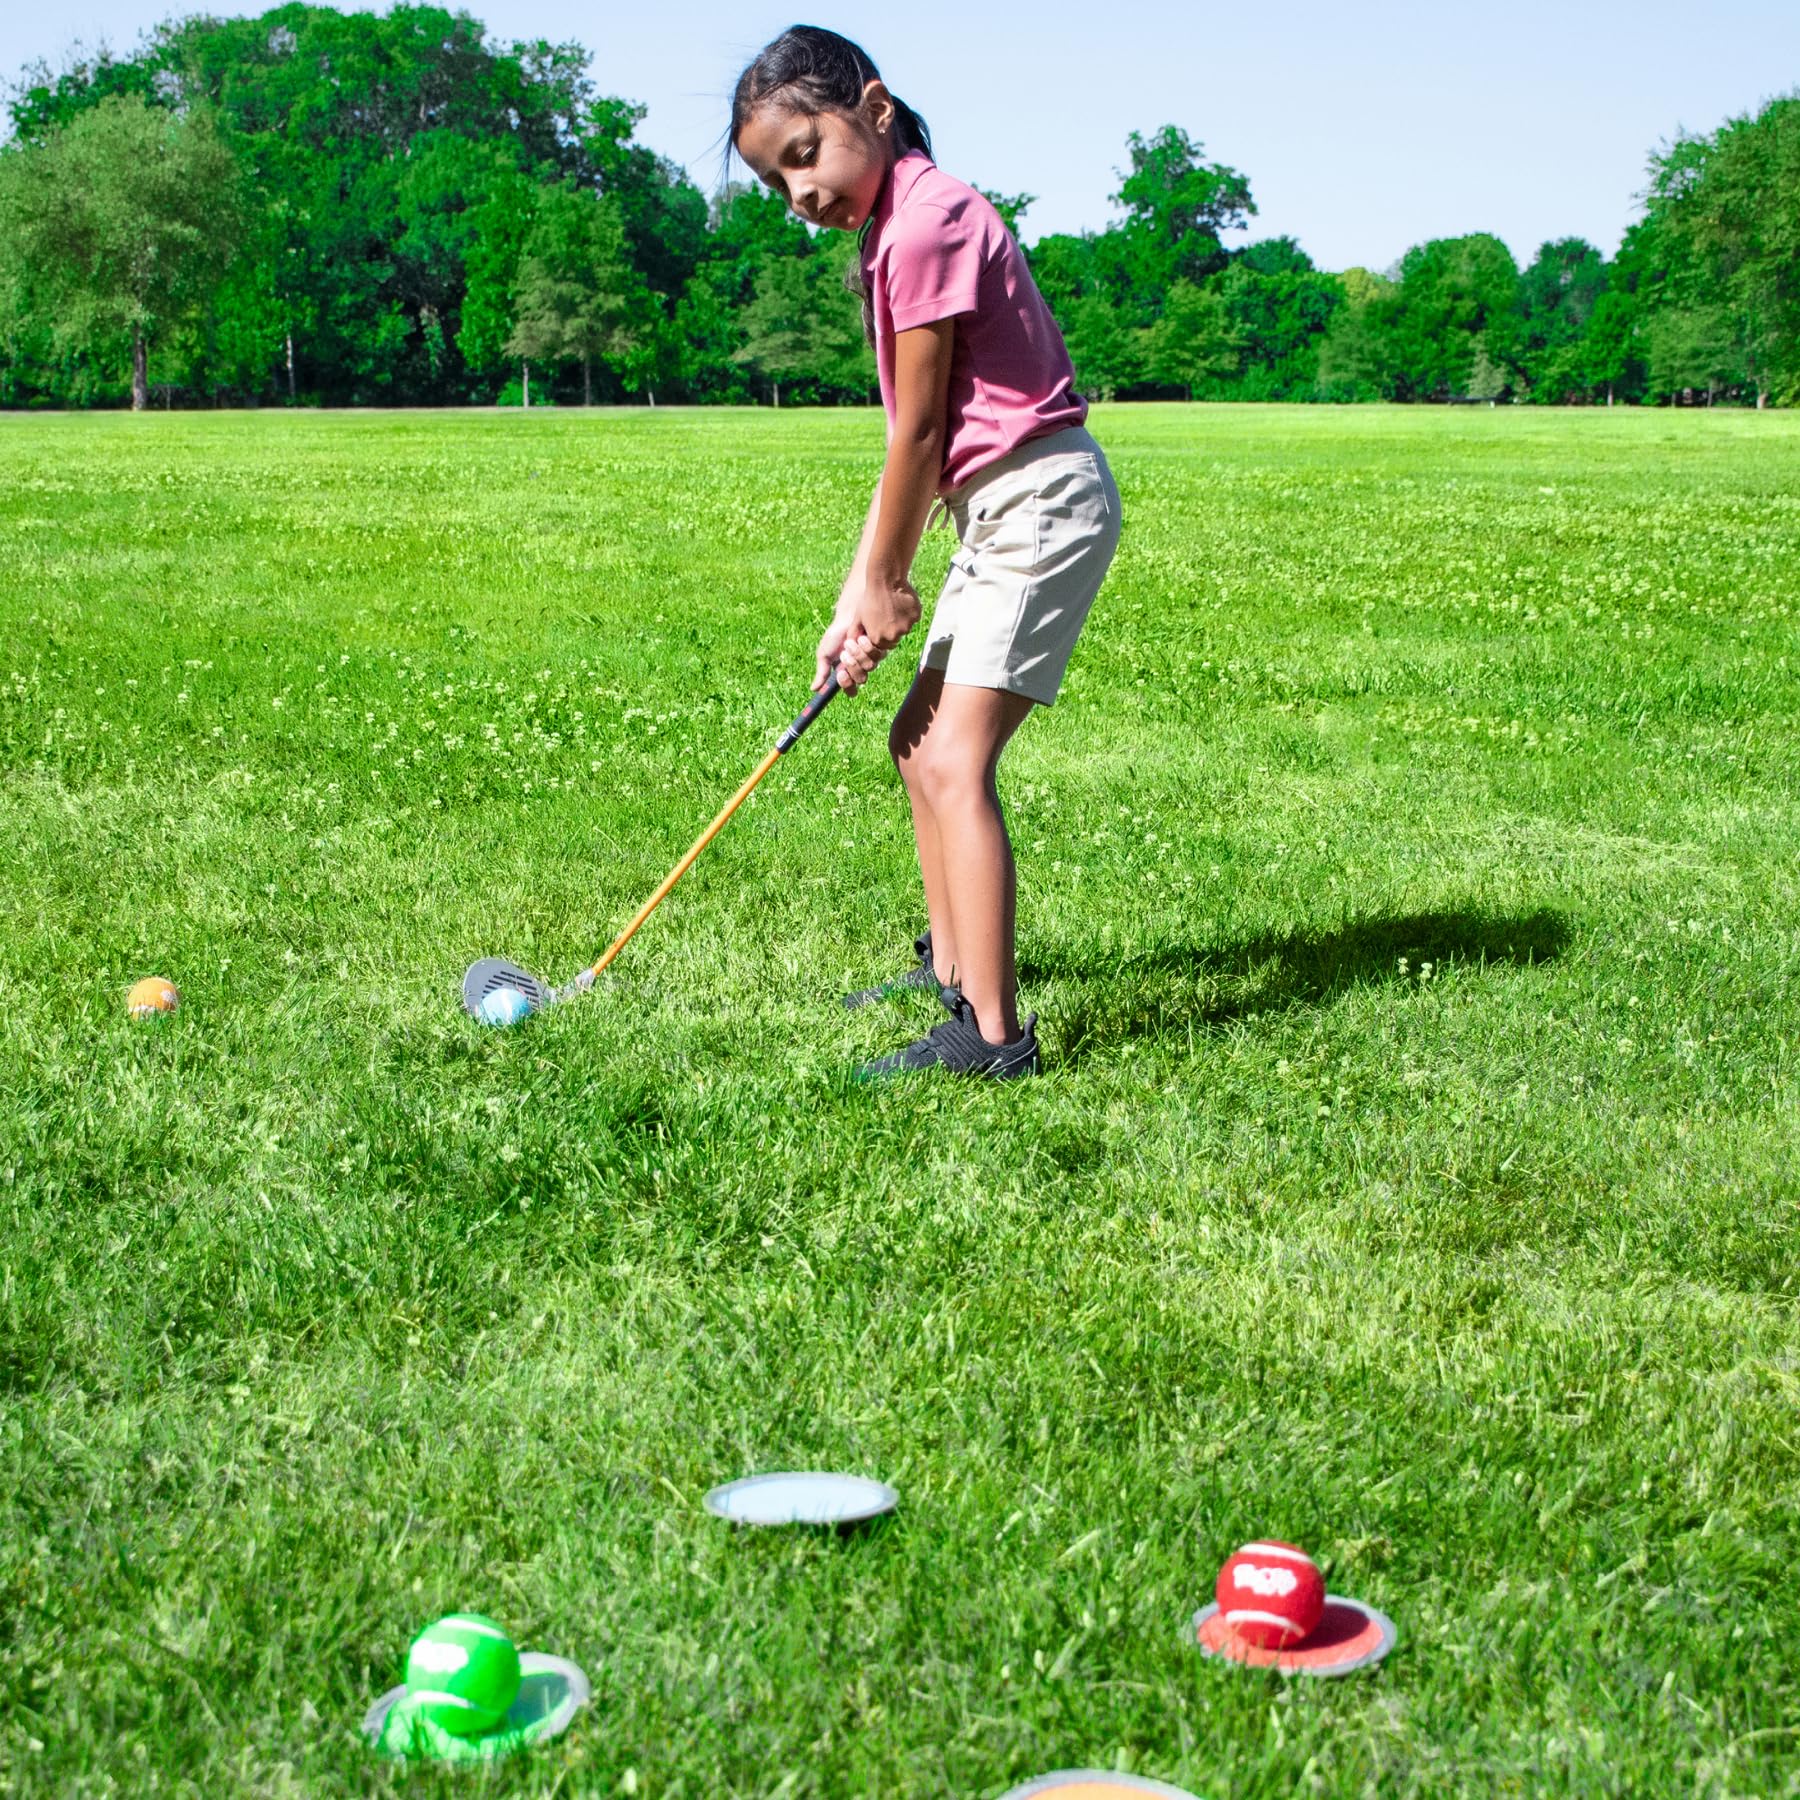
{"points": [[923, 977], [957, 1045]]}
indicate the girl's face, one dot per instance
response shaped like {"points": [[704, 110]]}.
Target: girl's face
{"points": [[827, 166]]}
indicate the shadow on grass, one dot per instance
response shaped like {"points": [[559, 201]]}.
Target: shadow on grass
{"points": [[1180, 988]]}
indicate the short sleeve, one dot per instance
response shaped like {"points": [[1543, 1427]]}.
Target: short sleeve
{"points": [[934, 258]]}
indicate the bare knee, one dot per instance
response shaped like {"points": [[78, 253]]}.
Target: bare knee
{"points": [[950, 770], [912, 725]]}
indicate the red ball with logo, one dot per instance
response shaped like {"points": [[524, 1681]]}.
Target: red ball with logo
{"points": [[1271, 1594]]}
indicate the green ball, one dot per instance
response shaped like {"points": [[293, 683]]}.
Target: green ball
{"points": [[463, 1673]]}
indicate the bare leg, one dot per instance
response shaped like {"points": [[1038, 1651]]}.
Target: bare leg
{"points": [[946, 742], [911, 723]]}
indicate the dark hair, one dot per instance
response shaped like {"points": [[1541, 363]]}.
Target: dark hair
{"points": [[812, 70]]}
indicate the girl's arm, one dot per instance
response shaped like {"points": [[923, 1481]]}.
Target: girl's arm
{"points": [[831, 645], [850, 593], [879, 605]]}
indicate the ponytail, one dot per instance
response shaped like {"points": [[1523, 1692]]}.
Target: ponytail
{"points": [[910, 131]]}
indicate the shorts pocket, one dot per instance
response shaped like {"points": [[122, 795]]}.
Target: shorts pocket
{"points": [[1005, 530], [1072, 493]]}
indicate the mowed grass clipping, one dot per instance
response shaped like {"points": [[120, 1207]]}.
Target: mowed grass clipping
{"points": [[1409, 895]]}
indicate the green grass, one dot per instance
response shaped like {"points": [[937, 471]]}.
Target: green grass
{"points": [[1409, 893]]}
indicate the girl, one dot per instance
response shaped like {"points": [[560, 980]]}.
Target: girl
{"points": [[982, 414]]}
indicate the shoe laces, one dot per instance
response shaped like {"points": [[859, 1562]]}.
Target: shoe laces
{"points": [[962, 1015]]}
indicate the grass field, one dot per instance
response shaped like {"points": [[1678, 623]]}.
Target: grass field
{"points": [[1410, 893]]}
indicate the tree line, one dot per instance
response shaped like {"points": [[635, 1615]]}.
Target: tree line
{"points": [[315, 207]]}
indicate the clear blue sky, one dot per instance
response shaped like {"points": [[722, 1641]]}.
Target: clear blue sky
{"points": [[1364, 128]]}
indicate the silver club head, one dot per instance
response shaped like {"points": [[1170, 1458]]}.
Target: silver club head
{"points": [[495, 972]]}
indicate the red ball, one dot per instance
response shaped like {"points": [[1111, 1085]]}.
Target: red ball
{"points": [[1271, 1594]]}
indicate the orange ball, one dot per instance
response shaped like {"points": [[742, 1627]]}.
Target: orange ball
{"points": [[151, 996]]}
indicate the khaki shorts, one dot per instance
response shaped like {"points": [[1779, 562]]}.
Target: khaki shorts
{"points": [[1037, 530]]}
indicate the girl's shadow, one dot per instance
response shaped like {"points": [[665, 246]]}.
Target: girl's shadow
{"points": [[1178, 988]]}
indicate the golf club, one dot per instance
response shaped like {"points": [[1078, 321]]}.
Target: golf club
{"points": [[490, 982]]}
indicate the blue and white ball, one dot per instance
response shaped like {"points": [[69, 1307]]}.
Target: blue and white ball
{"points": [[504, 1006]]}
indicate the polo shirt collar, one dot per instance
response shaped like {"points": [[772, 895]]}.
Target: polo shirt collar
{"points": [[906, 170]]}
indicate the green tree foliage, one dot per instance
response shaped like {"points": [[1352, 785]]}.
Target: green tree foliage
{"points": [[1557, 296], [1487, 380], [1354, 353], [119, 228], [804, 326], [577, 297], [1611, 364], [44, 100], [1280, 307], [1108, 355], [498, 228], [372, 137], [1113, 290], [846, 360], [778, 322], [750, 230], [708, 333], [1062, 264], [1195, 340], [375, 143], [418, 209], [1694, 349], [1724, 298], [664, 214], [1452, 292], [1178, 208]]}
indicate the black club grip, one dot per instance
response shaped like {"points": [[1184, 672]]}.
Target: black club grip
{"points": [[816, 705]]}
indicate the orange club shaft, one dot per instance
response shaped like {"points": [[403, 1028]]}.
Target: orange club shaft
{"points": [[783, 744], [687, 862]]}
